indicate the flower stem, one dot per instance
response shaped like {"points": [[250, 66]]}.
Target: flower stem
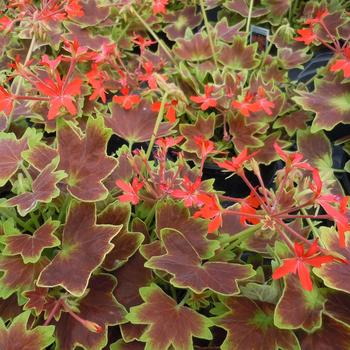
{"points": [[157, 125], [249, 16], [207, 26], [20, 80]]}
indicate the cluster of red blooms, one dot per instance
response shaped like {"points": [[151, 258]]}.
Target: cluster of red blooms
{"points": [[250, 103], [260, 207], [310, 35]]}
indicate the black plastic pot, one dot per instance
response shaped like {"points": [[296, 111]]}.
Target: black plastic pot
{"points": [[234, 186]]}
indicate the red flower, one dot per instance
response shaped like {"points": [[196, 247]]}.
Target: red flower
{"points": [[300, 262], [247, 106], [292, 159], [343, 64], [52, 64], [169, 107], [149, 75], [61, 94], [5, 23], [206, 101], [107, 50], [211, 210], [236, 163], [320, 15], [189, 192], [96, 79], [130, 190], [142, 42], [6, 101], [263, 102], [126, 101], [159, 6], [78, 53], [307, 36], [74, 9], [166, 142], [206, 146], [249, 206]]}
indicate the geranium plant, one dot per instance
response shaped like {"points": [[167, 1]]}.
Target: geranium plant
{"points": [[166, 182]]}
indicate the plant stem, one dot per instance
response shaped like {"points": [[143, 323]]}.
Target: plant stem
{"points": [[156, 126], [19, 84], [5, 212], [26, 173], [184, 299], [64, 208], [207, 26], [311, 224], [53, 311], [243, 234], [159, 41], [249, 16]]}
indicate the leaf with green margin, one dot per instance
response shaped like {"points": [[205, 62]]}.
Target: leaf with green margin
{"points": [[84, 247], [84, 158], [299, 308], [44, 189], [227, 33], [18, 276], [330, 101], [10, 150], [94, 13], [242, 7], [335, 275], [338, 306], [290, 58], [193, 47], [239, 55], [18, 337], [245, 133], [126, 243], [317, 150], [40, 155], [170, 214], [137, 124], [99, 306], [249, 325], [182, 261], [131, 277], [9, 308], [122, 345], [332, 335], [169, 324], [292, 122], [30, 247], [203, 127], [277, 8]]}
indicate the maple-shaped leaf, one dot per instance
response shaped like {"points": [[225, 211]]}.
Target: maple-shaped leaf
{"points": [[228, 33], [10, 150], [290, 58], [181, 20], [9, 308], [182, 261], [317, 151], [324, 337], [84, 247], [84, 159], [169, 324], [18, 337], [40, 155], [335, 275], [170, 214], [245, 133], [277, 8], [242, 7], [249, 325], [203, 127], [125, 243], [298, 308], [292, 122], [338, 306], [193, 48], [17, 275], [39, 300], [44, 189], [329, 101], [98, 306], [131, 277], [30, 247], [137, 124], [239, 55], [93, 13]]}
